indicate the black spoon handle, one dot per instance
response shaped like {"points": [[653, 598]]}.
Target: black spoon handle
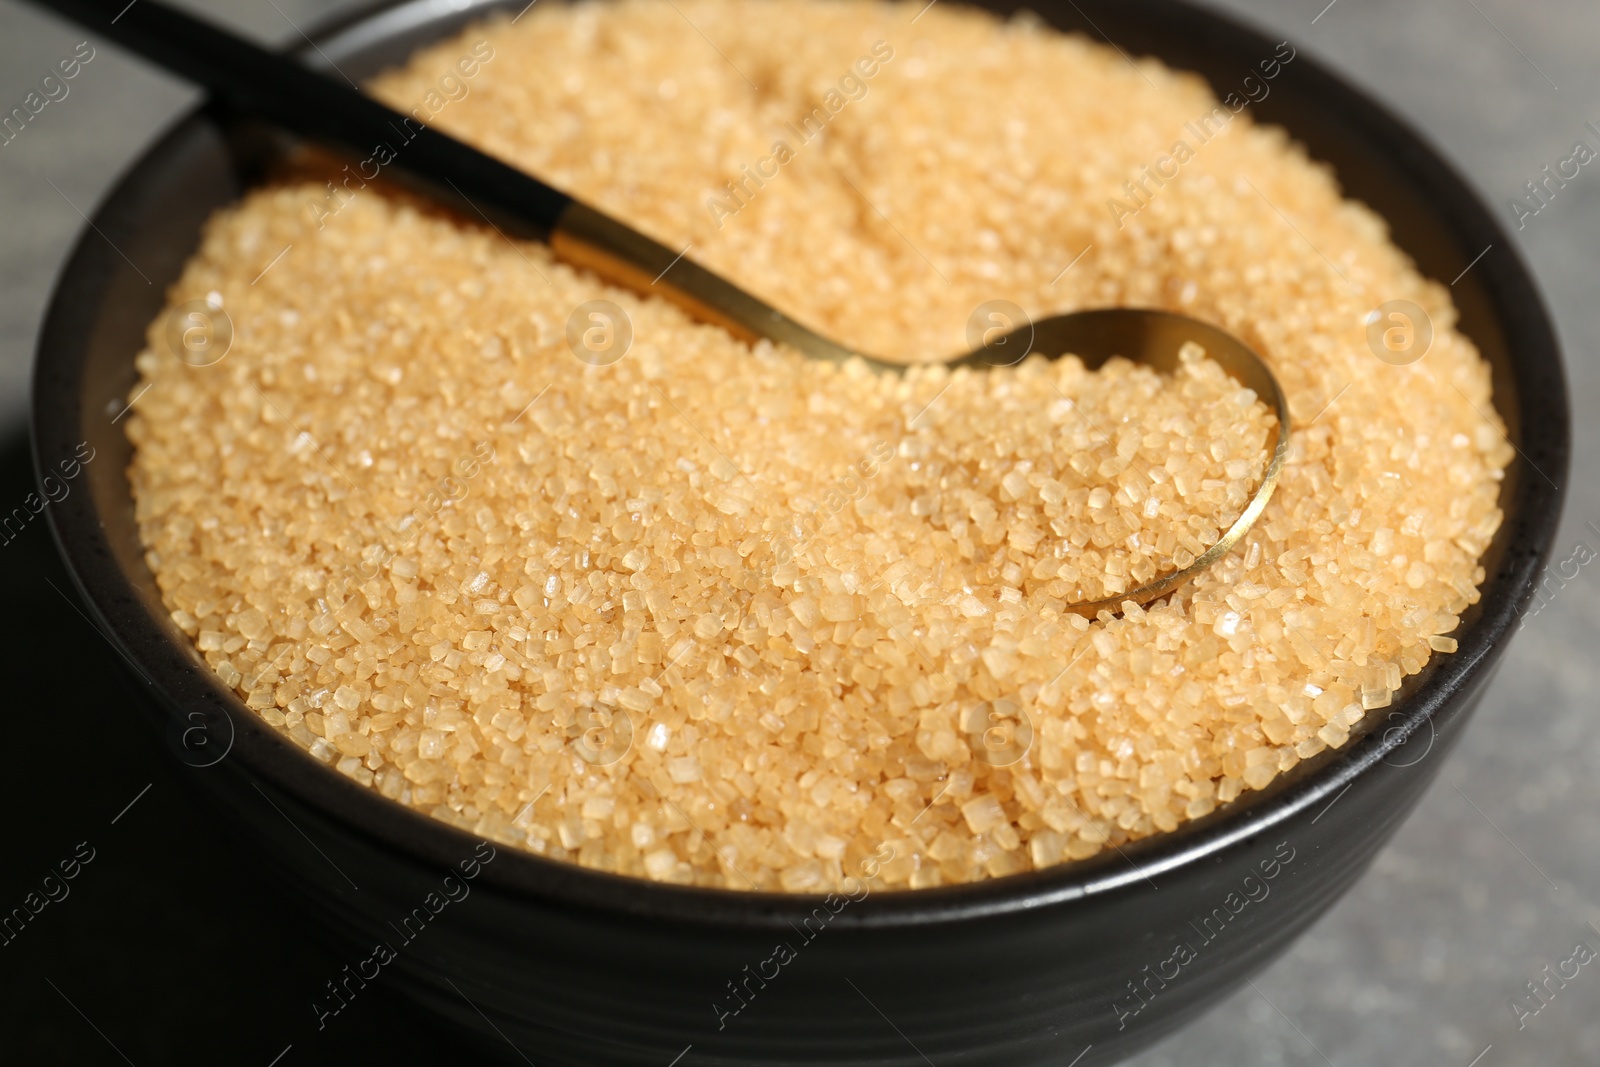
{"points": [[256, 82]]}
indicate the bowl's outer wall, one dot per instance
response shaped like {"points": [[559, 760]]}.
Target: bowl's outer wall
{"points": [[578, 967], [581, 986]]}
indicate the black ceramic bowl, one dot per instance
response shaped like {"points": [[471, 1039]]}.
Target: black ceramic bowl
{"points": [[578, 967]]}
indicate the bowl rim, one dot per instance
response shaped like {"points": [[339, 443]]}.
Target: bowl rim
{"points": [[145, 640]]}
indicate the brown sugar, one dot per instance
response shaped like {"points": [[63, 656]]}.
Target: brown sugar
{"points": [[720, 615]]}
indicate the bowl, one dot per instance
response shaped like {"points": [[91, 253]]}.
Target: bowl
{"points": [[542, 961]]}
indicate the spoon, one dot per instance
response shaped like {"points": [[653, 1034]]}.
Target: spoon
{"points": [[251, 81]]}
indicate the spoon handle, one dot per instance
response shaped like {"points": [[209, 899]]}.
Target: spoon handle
{"points": [[587, 238], [253, 81]]}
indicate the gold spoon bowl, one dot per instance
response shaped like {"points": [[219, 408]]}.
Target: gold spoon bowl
{"points": [[587, 238]]}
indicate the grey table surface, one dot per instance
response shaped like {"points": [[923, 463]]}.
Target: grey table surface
{"points": [[1497, 873]]}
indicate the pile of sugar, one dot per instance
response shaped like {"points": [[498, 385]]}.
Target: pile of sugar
{"points": [[730, 617]]}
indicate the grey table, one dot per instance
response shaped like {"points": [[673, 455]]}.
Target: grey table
{"points": [[1497, 875]]}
